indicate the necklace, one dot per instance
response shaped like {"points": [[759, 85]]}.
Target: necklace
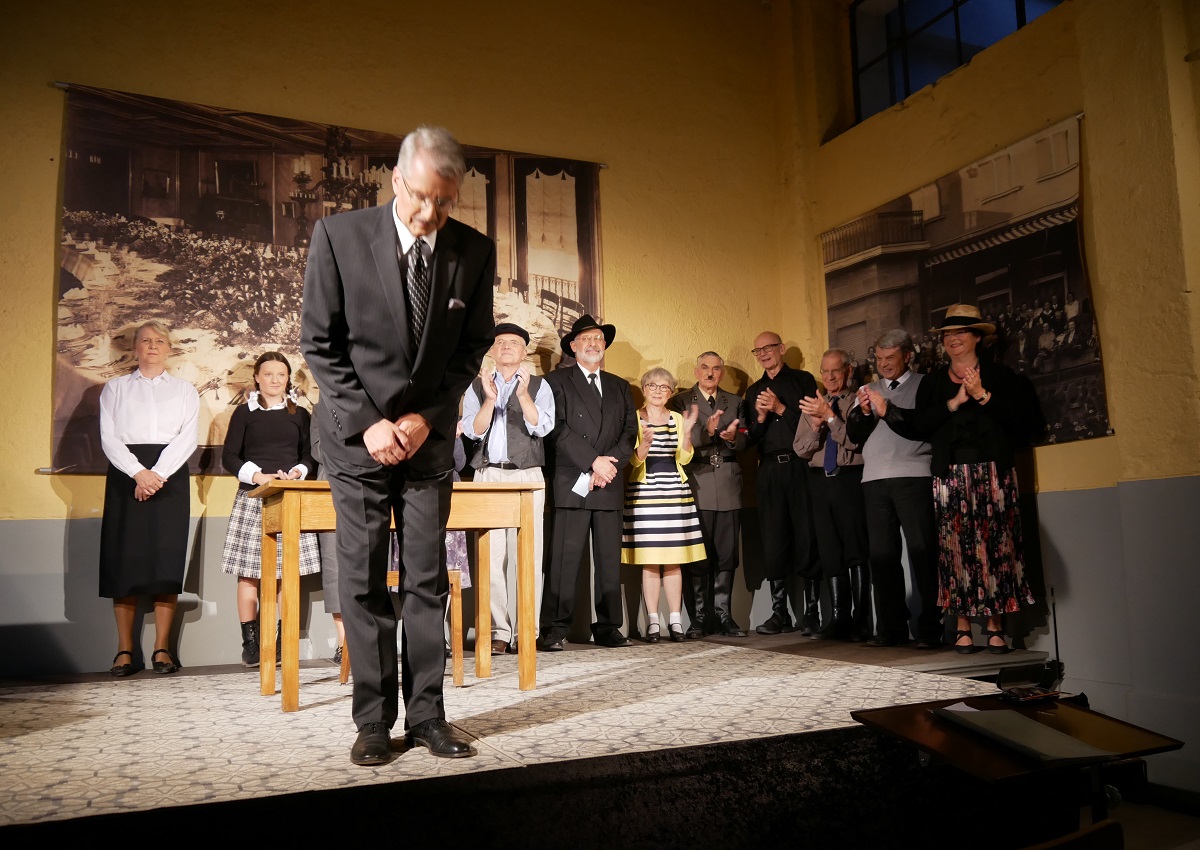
{"points": [[960, 377]]}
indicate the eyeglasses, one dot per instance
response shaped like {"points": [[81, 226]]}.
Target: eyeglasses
{"points": [[440, 204], [666, 388], [768, 347], [590, 338]]}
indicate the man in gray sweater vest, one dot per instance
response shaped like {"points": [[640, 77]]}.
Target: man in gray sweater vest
{"points": [[897, 486], [506, 413]]}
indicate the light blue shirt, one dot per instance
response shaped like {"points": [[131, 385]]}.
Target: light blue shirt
{"points": [[497, 448]]}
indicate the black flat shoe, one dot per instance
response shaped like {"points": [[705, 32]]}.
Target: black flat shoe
{"points": [[373, 745], [964, 649], [120, 670], [695, 631], [441, 739], [1002, 649], [675, 630], [652, 636], [164, 667]]}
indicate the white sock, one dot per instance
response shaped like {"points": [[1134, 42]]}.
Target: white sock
{"points": [[652, 626], [675, 621]]}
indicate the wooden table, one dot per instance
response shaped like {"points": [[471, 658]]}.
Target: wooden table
{"points": [[293, 507], [989, 760]]}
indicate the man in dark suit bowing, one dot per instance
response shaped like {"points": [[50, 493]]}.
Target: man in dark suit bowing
{"points": [[595, 425], [397, 316]]}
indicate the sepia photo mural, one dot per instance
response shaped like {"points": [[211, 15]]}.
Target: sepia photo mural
{"points": [[1001, 233], [200, 216]]}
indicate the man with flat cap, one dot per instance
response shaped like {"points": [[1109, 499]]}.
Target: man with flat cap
{"points": [[595, 425], [506, 414], [397, 317]]}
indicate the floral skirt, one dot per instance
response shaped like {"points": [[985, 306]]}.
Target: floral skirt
{"points": [[981, 569]]}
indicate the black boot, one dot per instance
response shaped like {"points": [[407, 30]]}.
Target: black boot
{"points": [[810, 622], [723, 605], [838, 627], [699, 583], [278, 642], [780, 620], [860, 598], [250, 644]]}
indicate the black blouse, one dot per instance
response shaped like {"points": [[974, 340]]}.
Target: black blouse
{"points": [[975, 433]]}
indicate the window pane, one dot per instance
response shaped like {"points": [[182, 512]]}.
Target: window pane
{"points": [[920, 12], [875, 21], [1037, 8], [875, 92], [984, 22], [932, 54]]}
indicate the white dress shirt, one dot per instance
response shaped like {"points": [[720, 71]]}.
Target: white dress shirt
{"points": [[137, 410]]}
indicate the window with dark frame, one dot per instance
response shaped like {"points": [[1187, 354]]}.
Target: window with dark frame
{"points": [[901, 46]]}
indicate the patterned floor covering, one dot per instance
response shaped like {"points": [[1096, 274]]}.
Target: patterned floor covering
{"points": [[104, 746]]}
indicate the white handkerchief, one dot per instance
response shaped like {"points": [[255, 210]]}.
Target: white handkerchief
{"points": [[583, 485], [455, 304]]}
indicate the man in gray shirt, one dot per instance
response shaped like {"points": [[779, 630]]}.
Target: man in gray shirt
{"points": [[898, 488]]}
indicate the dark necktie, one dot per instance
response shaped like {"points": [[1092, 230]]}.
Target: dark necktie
{"points": [[831, 446], [595, 386], [712, 401], [893, 385], [418, 292]]}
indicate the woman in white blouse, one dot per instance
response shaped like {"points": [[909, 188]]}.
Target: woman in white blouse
{"points": [[148, 430]]}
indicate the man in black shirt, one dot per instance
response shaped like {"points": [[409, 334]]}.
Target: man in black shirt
{"points": [[785, 521]]}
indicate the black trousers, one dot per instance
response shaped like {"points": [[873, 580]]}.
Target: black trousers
{"points": [[785, 520], [722, 530], [894, 504], [568, 541], [365, 498], [839, 519]]}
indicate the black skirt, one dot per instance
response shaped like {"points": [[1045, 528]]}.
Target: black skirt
{"points": [[143, 545]]}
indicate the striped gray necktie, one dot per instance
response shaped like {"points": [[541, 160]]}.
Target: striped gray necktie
{"points": [[418, 292]]}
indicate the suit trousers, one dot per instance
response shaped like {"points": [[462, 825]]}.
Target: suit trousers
{"points": [[722, 531], [502, 544], [785, 520], [365, 498], [839, 519], [894, 504], [568, 541]]}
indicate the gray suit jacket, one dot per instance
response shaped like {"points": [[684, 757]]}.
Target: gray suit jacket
{"points": [[355, 335], [715, 488], [584, 429]]}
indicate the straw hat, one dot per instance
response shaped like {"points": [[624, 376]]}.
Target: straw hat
{"points": [[960, 316]]}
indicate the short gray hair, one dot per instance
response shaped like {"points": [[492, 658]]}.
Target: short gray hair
{"points": [[700, 357], [445, 154], [840, 352], [896, 338], [659, 375]]}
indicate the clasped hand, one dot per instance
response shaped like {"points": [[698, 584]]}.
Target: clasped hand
{"points": [[389, 442], [147, 482]]}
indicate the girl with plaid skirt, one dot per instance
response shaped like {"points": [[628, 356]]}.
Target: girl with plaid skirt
{"points": [[268, 439]]}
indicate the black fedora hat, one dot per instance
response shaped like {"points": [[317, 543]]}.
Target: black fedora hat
{"points": [[510, 328], [587, 323]]}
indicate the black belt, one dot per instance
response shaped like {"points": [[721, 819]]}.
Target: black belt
{"points": [[505, 465], [782, 457]]}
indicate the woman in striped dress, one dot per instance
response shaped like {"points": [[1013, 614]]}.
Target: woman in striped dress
{"points": [[661, 524]]}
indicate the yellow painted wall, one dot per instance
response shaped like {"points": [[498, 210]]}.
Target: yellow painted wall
{"points": [[670, 95], [1121, 63], [717, 120]]}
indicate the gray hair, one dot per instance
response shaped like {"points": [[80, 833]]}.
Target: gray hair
{"points": [[896, 338], [659, 375], [840, 352], [700, 357], [445, 154]]}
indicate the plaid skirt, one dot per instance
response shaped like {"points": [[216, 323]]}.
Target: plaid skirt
{"points": [[242, 555]]}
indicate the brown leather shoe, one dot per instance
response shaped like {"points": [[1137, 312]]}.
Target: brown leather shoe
{"points": [[499, 647]]}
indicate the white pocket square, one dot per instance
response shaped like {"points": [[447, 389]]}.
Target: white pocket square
{"points": [[455, 304]]}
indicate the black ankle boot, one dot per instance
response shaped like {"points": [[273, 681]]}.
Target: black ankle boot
{"points": [[810, 622], [860, 598], [838, 627], [278, 642], [780, 620], [250, 644], [723, 605]]}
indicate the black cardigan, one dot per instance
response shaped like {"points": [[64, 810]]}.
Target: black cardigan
{"points": [[975, 433]]}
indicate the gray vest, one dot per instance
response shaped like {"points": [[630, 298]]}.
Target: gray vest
{"points": [[525, 450]]}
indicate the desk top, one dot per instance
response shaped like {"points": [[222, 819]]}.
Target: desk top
{"points": [[278, 486], [989, 760]]}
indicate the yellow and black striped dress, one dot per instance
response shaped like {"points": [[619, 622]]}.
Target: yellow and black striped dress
{"points": [[661, 524]]}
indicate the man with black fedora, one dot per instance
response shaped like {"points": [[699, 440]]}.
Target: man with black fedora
{"points": [[506, 414], [595, 425]]}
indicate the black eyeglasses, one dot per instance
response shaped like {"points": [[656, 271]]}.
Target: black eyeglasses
{"points": [[768, 347], [446, 204]]}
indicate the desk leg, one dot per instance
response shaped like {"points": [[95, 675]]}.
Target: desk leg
{"points": [[527, 574], [266, 617], [290, 620], [483, 605]]}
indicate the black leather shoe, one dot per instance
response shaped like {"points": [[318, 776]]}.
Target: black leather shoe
{"points": [[613, 640], [776, 624], [675, 630], [441, 739], [373, 745], [550, 644], [731, 629], [889, 640], [695, 630], [164, 667], [121, 670], [928, 643], [652, 633]]}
